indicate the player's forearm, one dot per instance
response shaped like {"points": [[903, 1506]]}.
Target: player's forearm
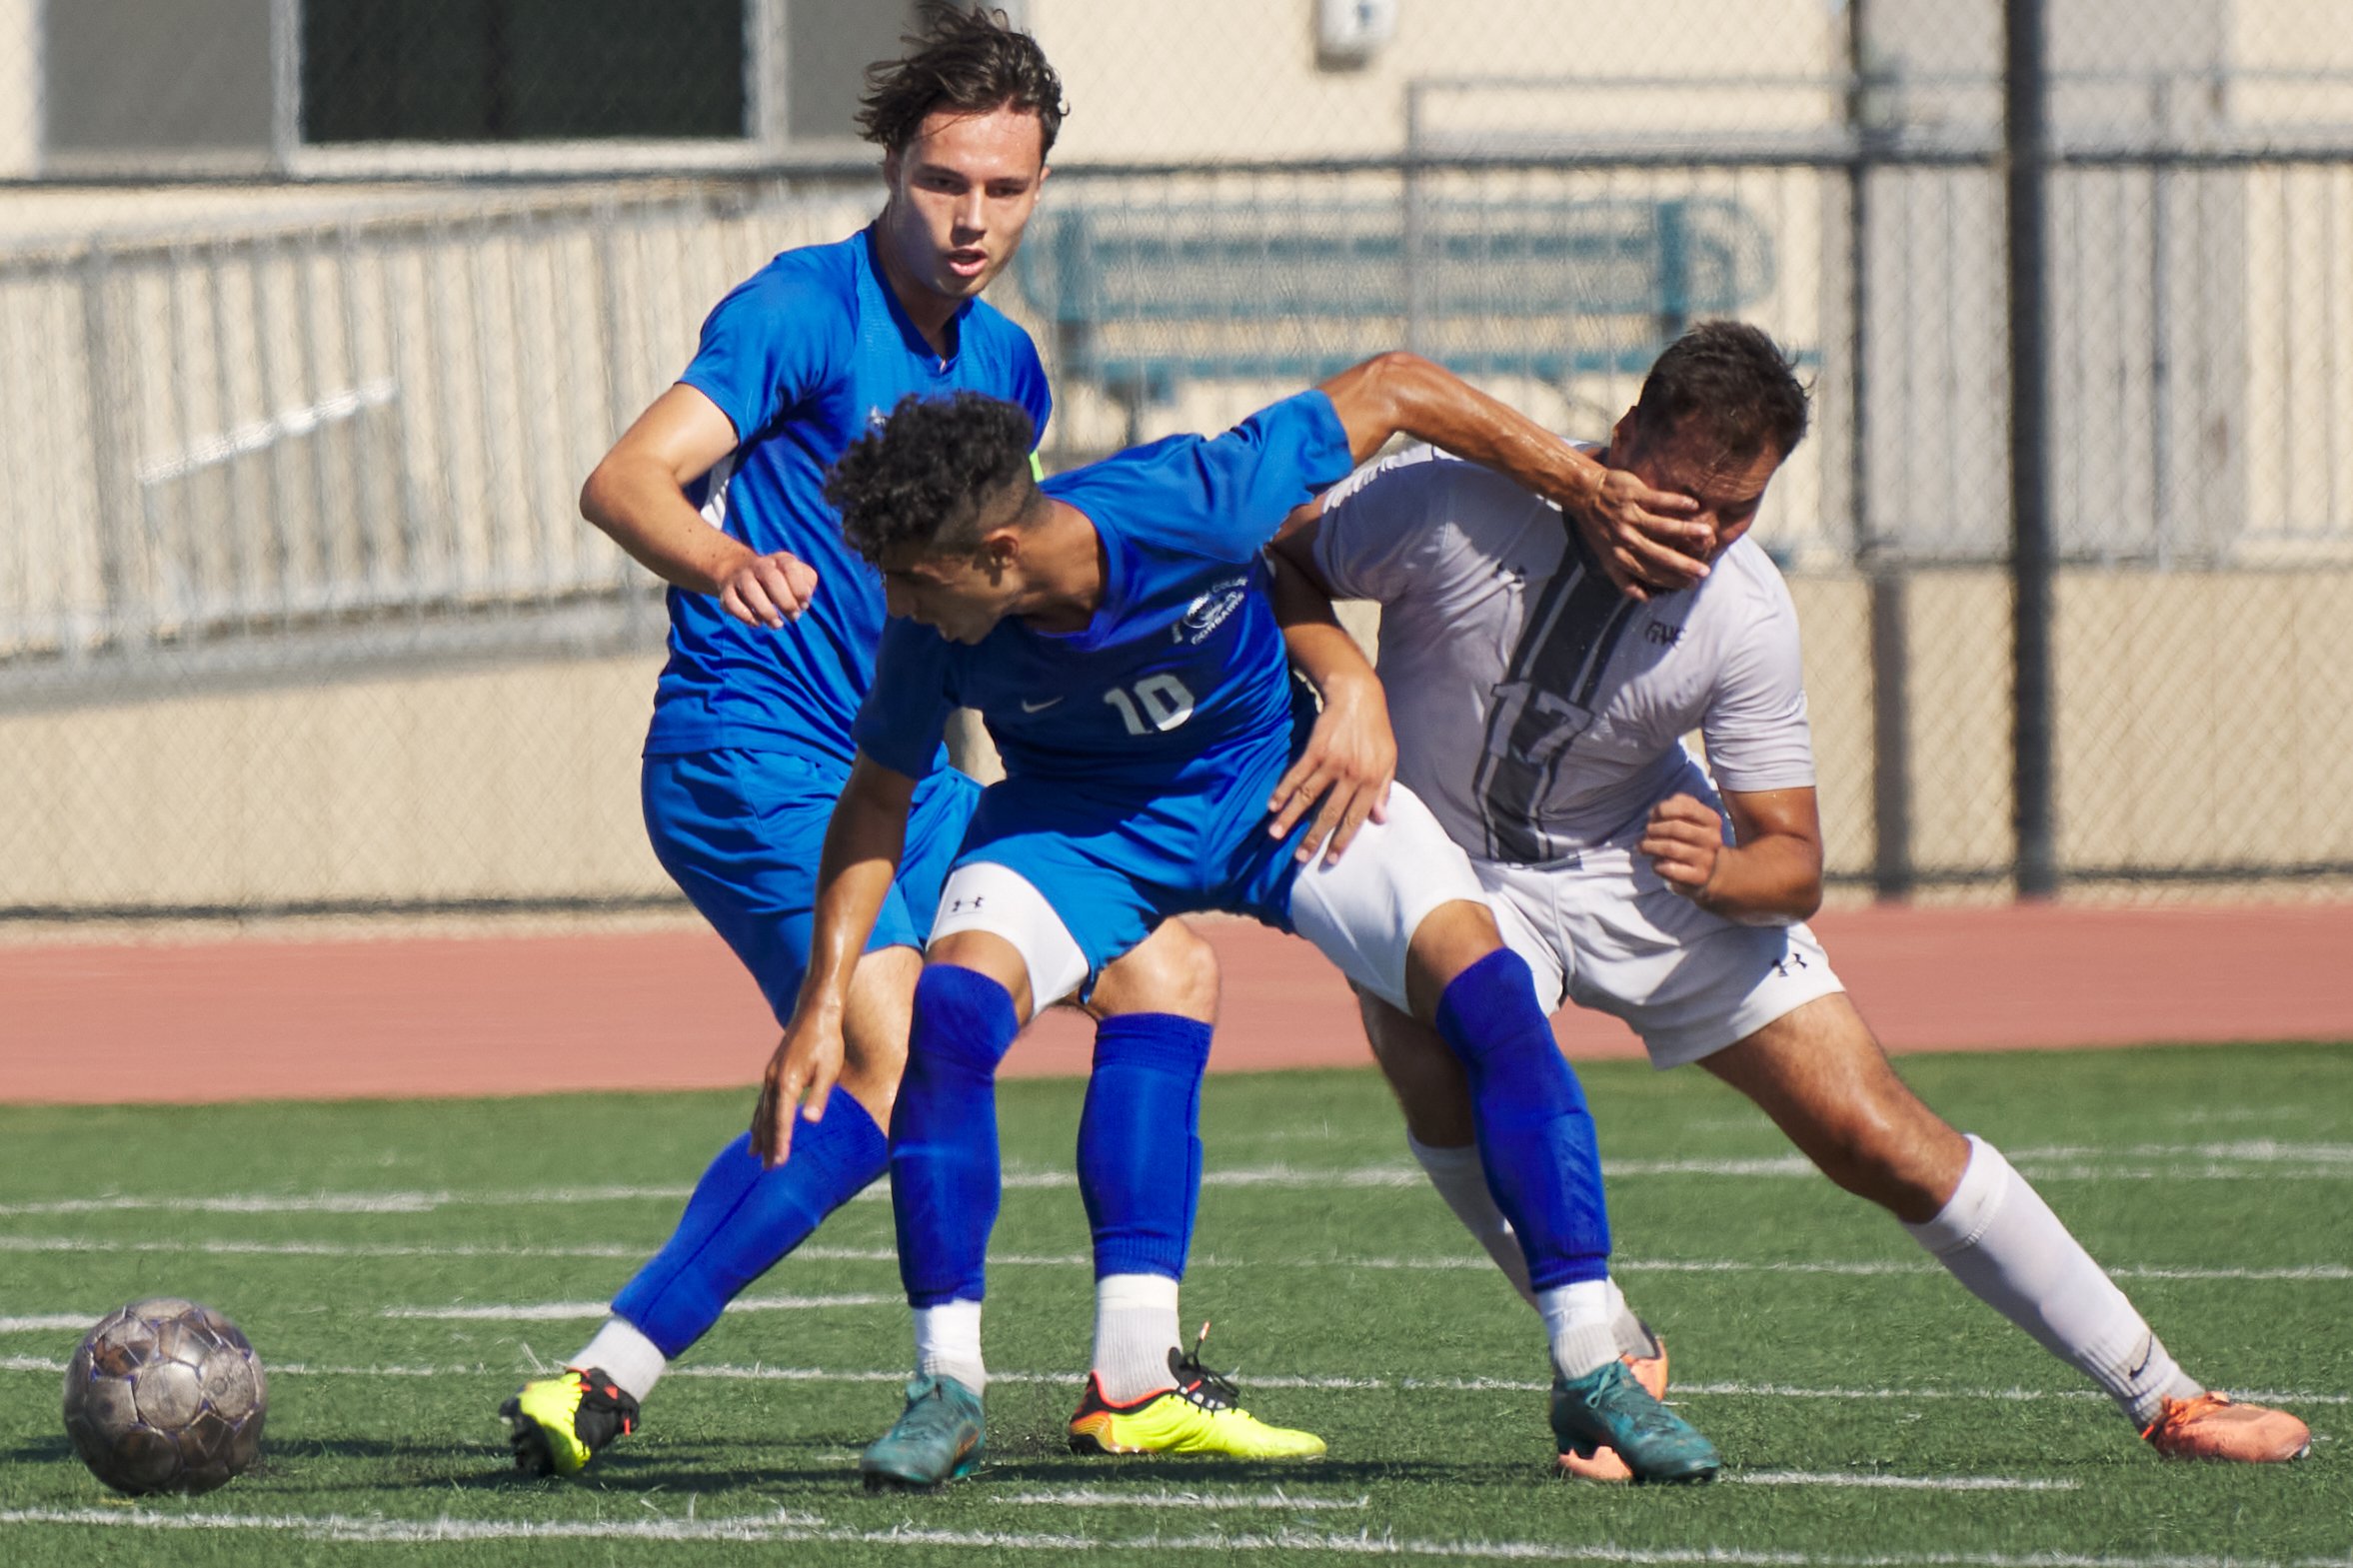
{"points": [[1774, 881], [1405, 394], [864, 844], [638, 502], [1318, 643]]}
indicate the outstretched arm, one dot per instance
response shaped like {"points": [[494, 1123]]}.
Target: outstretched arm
{"points": [[863, 842], [1352, 756], [1647, 541], [637, 495]]}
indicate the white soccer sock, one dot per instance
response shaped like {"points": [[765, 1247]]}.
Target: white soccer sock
{"points": [[1633, 1338], [1135, 1329], [1460, 1180], [1579, 1320], [2003, 1242], [625, 1355], [947, 1343], [1456, 1174]]}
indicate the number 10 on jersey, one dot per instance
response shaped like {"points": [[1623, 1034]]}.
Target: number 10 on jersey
{"points": [[1159, 703]]}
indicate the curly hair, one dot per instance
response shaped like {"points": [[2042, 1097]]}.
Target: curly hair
{"points": [[1735, 380], [938, 469], [969, 60]]}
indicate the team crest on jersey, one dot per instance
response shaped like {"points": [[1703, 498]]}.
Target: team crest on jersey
{"points": [[1207, 613], [876, 419]]}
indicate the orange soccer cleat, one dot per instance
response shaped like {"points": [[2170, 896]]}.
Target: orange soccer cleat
{"points": [[2216, 1427], [1649, 1371]]}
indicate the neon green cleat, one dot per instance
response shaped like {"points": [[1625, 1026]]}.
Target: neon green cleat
{"points": [[557, 1424], [1200, 1415]]}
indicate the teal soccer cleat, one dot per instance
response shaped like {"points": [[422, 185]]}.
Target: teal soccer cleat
{"points": [[1607, 1408], [936, 1439]]}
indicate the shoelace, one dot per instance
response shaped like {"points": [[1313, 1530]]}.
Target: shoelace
{"points": [[1210, 1390], [1620, 1394], [2184, 1410]]}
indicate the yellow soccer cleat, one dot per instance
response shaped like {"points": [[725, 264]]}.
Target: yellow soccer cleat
{"points": [[556, 1424], [1200, 1415], [1649, 1371]]}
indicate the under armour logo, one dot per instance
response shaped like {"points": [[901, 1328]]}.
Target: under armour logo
{"points": [[959, 905], [1788, 965]]}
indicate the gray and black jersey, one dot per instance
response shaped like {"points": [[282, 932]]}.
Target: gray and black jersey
{"points": [[1538, 710]]}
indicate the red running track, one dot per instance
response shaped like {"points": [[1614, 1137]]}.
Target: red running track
{"points": [[670, 1010]]}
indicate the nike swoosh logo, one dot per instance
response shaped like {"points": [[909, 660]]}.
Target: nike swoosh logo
{"points": [[1028, 706]]}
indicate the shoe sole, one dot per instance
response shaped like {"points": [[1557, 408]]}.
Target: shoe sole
{"points": [[532, 1454], [892, 1482], [1697, 1476]]}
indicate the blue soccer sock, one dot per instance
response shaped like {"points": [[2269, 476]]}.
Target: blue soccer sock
{"points": [[1140, 1146], [944, 1179], [1139, 1171], [1535, 1137], [743, 1217]]}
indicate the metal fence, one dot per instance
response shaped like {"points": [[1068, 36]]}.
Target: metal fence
{"points": [[299, 614]]}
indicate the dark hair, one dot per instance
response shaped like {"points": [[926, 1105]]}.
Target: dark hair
{"points": [[933, 476], [1732, 377], [969, 60]]}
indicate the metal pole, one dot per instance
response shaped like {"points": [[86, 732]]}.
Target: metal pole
{"points": [[2025, 117], [1891, 741]]}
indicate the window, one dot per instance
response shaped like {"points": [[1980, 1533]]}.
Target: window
{"points": [[523, 70]]}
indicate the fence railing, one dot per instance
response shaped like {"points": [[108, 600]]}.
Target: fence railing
{"points": [[355, 443]]}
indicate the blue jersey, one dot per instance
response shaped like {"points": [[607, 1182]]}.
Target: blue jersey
{"points": [[1182, 666], [803, 358]]}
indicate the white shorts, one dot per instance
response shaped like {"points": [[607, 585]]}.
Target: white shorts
{"points": [[1361, 912], [1606, 931]]}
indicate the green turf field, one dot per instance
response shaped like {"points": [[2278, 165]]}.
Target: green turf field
{"points": [[401, 1266]]}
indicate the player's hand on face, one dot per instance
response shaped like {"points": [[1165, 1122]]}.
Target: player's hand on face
{"points": [[1686, 841], [1344, 774], [1647, 541], [800, 1079], [768, 591]]}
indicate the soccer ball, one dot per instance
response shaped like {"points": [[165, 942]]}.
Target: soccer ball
{"points": [[165, 1396]]}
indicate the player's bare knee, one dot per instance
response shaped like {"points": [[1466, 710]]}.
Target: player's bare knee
{"points": [[986, 953], [1449, 940], [1174, 970]]}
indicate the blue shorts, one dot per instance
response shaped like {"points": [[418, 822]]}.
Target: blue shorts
{"points": [[1115, 862], [741, 833]]}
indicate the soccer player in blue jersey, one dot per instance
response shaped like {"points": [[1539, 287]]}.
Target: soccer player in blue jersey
{"points": [[1112, 628], [718, 487]]}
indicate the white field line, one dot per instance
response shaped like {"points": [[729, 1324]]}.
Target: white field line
{"points": [[1122, 1497], [41, 1323], [2247, 1160], [785, 1528], [565, 1311], [757, 1374], [1864, 1269], [1900, 1483]]}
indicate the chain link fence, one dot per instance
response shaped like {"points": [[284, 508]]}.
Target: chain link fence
{"points": [[314, 314]]}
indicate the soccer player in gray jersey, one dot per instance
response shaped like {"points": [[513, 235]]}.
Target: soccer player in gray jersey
{"points": [[1539, 713]]}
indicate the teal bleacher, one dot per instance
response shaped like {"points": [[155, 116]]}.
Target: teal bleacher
{"points": [[1141, 297]]}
